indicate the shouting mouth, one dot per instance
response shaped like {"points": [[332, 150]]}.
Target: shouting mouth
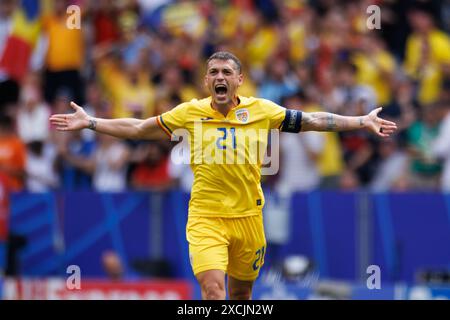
{"points": [[221, 90]]}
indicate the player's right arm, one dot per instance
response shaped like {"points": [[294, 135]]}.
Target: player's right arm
{"points": [[124, 128]]}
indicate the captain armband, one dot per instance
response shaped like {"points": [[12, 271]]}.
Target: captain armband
{"points": [[292, 121]]}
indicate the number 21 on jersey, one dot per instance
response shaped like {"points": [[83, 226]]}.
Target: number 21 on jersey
{"points": [[221, 142]]}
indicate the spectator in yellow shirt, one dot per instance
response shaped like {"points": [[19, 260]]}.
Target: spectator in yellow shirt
{"points": [[427, 56], [65, 52], [375, 68], [127, 86]]}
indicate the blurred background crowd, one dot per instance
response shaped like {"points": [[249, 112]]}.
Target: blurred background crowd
{"points": [[139, 58]]}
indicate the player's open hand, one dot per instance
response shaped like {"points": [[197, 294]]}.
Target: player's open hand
{"points": [[74, 121], [379, 126]]}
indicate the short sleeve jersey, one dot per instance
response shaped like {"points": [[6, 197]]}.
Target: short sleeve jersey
{"points": [[227, 152]]}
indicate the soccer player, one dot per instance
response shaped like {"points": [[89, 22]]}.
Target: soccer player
{"points": [[225, 228]]}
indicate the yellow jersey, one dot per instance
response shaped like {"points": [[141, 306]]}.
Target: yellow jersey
{"points": [[65, 46], [372, 70], [227, 152], [425, 60]]}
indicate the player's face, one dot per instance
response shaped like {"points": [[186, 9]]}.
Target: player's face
{"points": [[222, 80]]}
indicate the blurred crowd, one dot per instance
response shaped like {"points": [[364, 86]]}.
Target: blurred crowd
{"points": [[139, 58]]}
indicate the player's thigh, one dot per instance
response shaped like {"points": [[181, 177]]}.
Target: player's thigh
{"points": [[208, 244], [247, 248]]}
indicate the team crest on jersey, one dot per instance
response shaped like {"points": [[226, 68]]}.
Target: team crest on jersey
{"points": [[242, 115]]}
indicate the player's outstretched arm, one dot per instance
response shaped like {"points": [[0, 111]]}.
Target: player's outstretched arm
{"points": [[125, 128], [324, 121]]}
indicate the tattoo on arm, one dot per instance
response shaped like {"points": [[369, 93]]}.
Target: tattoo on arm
{"points": [[324, 121], [92, 124], [331, 123], [361, 121]]}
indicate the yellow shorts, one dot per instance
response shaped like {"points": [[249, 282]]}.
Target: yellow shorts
{"points": [[234, 245]]}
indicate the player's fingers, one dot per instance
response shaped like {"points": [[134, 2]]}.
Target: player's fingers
{"points": [[59, 123], [385, 131], [74, 106], [386, 122], [58, 117], [390, 127]]}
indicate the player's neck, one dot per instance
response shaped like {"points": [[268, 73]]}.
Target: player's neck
{"points": [[225, 108]]}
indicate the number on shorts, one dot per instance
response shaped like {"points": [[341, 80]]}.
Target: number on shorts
{"points": [[259, 258]]}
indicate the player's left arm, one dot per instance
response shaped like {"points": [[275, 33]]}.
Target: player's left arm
{"points": [[325, 121]]}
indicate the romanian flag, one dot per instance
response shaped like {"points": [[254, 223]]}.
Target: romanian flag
{"points": [[19, 46]]}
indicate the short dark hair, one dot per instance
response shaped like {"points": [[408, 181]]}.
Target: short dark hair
{"points": [[224, 55]]}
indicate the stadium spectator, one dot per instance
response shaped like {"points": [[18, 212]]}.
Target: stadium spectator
{"points": [[425, 168], [349, 181], [12, 155], [173, 86], [355, 99], [107, 164], [393, 167], [179, 169], [279, 83], [110, 162], [41, 175], [152, 169], [76, 144], [73, 178], [375, 68], [104, 20], [127, 85], [33, 112], [402, 108], [65, 54], [441, 146], [427, 61], [115, 268], [96, 103]]}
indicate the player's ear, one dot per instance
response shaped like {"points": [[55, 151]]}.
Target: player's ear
{"points": [[241, 79], [205, 81]]}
